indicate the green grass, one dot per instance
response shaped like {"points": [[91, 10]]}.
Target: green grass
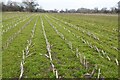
{"points": [[64, 58]]}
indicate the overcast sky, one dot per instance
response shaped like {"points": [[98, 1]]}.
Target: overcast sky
{"points": [[74, 4]]}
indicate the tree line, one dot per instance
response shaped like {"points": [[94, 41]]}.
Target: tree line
{"points": [[31, 6]]}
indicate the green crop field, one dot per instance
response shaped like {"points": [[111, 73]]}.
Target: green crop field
{"points": [[39, 45]]}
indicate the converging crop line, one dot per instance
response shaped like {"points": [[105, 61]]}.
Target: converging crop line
{"points": [[103, 53], [11, 38], [59, 45], [89, 33], [82, 58], [26, 51], [15, 24], [49, 50]]}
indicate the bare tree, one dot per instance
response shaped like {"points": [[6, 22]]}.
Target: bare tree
{"points": [[30, 5], [113, 9], [104, 10], [62, 11], [96, 9], [66, 10]]}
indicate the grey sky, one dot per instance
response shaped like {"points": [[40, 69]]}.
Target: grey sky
{"points": [[74, 4]]}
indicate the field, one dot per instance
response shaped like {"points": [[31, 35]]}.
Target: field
{"points": [[59, 45]]}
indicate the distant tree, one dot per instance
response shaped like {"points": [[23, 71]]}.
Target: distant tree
{"points": [[78, 10], [104, 10], [39, 9], [62, 11], [72, 11], [55, 11], [96, 9], [66, 10], [113, 10], [10, 6], [9, 3], [30, 5], [83, 10]]}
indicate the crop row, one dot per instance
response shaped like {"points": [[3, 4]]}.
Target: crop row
{"points": [[49, 46]]}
